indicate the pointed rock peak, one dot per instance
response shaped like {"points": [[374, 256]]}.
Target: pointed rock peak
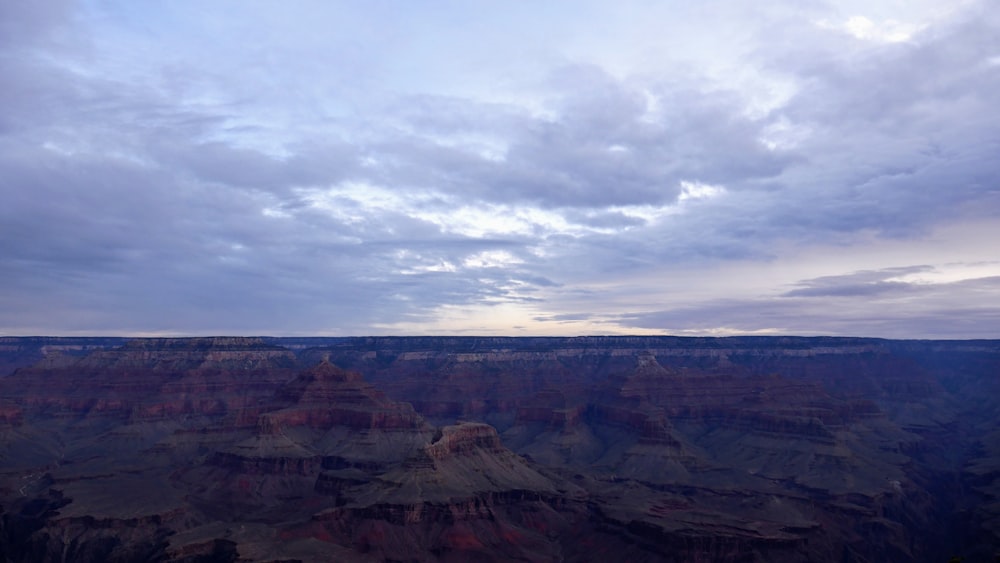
{"points": [[268, 425], [647, 365], [325, 371]]}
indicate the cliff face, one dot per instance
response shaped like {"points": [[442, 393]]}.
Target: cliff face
{"points": [[885, 425], [18, 352], [638, 448], [155, 379], [322, 415]]}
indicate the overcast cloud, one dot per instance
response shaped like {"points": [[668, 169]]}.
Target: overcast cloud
{"points": [[351, 168]]}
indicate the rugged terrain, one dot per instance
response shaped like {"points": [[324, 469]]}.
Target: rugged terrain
{"points": [[528, 449]]}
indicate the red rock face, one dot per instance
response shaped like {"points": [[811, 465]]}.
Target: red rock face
{"points": [[463, 440], [584, 449], [325, 396], [157, 379], [11, 415]]}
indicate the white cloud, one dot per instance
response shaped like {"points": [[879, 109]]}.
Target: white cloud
{"points": [[886, 31], [783, 135], [698, 190], [491, 259]]}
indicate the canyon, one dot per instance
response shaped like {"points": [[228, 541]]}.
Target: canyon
{"points": [[639, 448]]}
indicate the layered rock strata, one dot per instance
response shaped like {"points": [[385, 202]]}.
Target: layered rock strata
{"points": [[596, 448]]}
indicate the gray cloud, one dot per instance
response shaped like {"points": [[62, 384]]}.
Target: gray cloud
{"points": [[306, 184], [858, 284], [31, 23], [864, 305], [603, 219], [604, 146], [898, 139], [248, 168]]}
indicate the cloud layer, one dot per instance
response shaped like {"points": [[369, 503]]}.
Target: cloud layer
{"points": [[339, 168]]}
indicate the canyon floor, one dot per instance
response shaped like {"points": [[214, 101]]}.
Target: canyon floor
{"points": [[499, 449]]}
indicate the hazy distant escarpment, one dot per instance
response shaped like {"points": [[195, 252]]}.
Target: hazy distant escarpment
{"points": [[537, 449]]}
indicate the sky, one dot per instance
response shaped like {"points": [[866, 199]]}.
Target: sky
{"points": [[500, 168]]}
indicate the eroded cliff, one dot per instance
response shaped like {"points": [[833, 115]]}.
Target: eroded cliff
{"points": [[643, 448]]}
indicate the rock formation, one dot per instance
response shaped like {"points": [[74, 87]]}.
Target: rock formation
{"points": [[537, 449]]}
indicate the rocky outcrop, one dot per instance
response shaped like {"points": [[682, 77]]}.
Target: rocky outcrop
{"points": [[324, 419], [325, 396], [19, 352], [156, 379], [464, 495], [10, 414], [595, 448], [464, 440], [183, 354]]}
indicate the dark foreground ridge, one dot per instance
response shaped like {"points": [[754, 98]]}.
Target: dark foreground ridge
{"points": [[499, 449]]}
